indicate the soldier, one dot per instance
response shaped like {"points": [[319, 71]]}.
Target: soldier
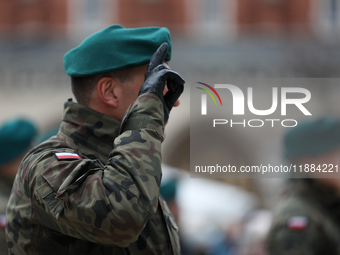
{"points": [[94, 187], [16, 138], [307, 219]]}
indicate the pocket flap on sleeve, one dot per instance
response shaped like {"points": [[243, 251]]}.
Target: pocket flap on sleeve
{"points": [[48, 196]]}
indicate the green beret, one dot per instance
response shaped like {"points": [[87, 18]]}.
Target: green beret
{"points": [[16, 137], [312, 138], [115, 48], [47, 134], [168, 190]]}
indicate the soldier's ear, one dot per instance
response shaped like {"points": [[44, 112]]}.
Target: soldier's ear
{"points": [[108, 91]]}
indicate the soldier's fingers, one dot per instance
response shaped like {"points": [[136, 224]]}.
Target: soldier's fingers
{"points": [[171, 97], [158, 57], [173, 77]]}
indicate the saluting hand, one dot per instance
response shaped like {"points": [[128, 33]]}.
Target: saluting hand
{"points": [[157, 76]]}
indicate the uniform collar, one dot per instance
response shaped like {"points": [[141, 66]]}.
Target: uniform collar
{"points": [[90, 128]]}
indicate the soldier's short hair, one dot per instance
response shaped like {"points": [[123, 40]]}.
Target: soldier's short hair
{"points": [[83, 87]]}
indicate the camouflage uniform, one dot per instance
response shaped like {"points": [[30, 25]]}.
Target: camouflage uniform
{"points": [[307, 221], [108, 201]]}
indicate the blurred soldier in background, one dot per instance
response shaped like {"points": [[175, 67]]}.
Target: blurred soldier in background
{"points": [[307, 219], [168, 191], [16, 138], [94, 188]]}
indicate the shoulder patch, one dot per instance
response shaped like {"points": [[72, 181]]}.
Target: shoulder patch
{"points": [[297, 223], [67, 156]]}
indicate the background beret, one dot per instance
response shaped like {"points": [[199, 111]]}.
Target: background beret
{"points": [[312, 138], [168, 190], [115, 48], [16, 137]]}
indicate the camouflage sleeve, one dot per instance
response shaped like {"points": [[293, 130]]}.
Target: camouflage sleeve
{"points": [[106, 204]]}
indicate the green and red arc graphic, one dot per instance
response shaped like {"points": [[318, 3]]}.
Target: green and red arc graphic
{"points": [[208, 92]]}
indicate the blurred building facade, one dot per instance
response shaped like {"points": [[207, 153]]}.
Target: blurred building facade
{"points": [[228, 18]]}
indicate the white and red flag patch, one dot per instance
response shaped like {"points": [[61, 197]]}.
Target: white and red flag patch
{"points": [[297, 222], [67, 156]]}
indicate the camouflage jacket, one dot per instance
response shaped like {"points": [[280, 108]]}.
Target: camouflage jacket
{"points": [[102, 195], [306, 221]]}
